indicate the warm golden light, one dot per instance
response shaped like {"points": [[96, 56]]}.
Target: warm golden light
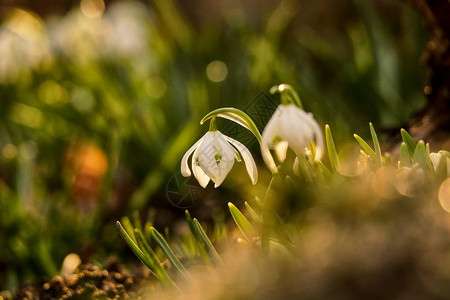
{"points": [[217, 71], [92, 9], [444, 195]]}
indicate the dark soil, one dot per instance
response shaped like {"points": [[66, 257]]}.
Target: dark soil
{"points": [[91, 282]]}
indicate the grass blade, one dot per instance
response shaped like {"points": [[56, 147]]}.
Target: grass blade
{"points": [[207, 242], [365, 146], [405, 158], [376, 144], [168, 252], [198, 239], [420, 155], [128, 227], [244, 225], [408, 140], [156, 265], [134, 247], [253, 214], [334, 159]]}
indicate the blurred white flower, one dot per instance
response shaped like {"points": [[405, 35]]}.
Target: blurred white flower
{"points": [[24, 44], [436, 159], [290, 127], [213, 158]]}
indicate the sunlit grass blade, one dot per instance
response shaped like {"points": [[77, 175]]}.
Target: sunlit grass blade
{"points": [[168, 252], [241, 221], [408, 140], [334, 159], [405, 159], [134, 247], [420, 155], [128, 227], [156, 265], [255, 217], [305, 167], [365, 146], [207, 242], [376, 143], [198, 239]]}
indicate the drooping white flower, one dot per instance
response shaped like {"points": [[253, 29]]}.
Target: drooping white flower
{"points": [[442, 157], [213, 158], [290, 127]]}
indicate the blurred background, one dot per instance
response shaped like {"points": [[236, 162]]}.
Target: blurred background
{"points": [[101, 99]]}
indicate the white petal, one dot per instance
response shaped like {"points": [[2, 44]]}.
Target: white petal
{"points": [[272, 129], [267, 157], [201, 177], [184, 161], [435, 159], [295, 130], [281, 149], [216, 157], [250, 164]]}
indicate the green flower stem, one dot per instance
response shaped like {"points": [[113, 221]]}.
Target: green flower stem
{"points": [[288, 95], [213, 124], [237, 116]]}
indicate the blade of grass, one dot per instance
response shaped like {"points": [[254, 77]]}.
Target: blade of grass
{"points": [[365, 146], [334, 159], [198, 239], [408, 140], [241, 221], [207, 242], [376, 144], [134, 247], [168, 252], [405, 159], [128, 227], [253, 214], [156, 265]]}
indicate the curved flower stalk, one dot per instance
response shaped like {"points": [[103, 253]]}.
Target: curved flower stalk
{"points": [[214, 156], [291, 127]]}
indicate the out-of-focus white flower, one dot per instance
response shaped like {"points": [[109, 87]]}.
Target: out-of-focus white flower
{"points": [[213, 158], [437, 157], [290, 127], [24, 44]]}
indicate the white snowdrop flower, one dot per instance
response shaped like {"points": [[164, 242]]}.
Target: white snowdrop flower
{"points": [[213, 158], [437, 157], [290, 127]]}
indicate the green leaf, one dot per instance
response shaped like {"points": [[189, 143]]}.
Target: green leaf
{"points": [[241, 221], [405, 159], [156, 265], [334, 159], [305, 167], [134, 247], [207, 242], [420, 155], [168, 252], [237, 116], [255, 217], [288, 94], [128, 227], [365, 146], [408, 140], [376, 144], [198, 239]]}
